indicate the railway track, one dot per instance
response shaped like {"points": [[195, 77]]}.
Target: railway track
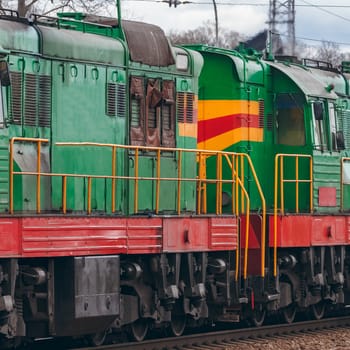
{"points": [[224, 339]]}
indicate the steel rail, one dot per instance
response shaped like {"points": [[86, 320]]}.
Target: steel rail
{"points": [[217, 339]]}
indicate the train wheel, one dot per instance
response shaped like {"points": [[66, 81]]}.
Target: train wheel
{"points": [[258, 316], [288, 313], [139, 329], [97, 339], [317, 310], [177, 325]]}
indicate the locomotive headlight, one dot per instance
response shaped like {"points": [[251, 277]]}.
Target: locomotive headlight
{"points": [[181, 62]]}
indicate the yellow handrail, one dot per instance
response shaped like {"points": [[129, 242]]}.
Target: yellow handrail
{"points": [[136, 190], [179, 172], [236, 162], [114, 171], [245, 156], [279, 178]]}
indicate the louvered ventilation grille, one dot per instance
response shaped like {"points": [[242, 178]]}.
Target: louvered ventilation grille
{"points": [[181, 107], [166, 117], [121, 97], [16, 85], [135, 113], [45, 101], [111, 99], [152, 118], [116, 100], [261, 113], [185, 104], [344, 125], [189, 108], [269, 123], [30, 99]]}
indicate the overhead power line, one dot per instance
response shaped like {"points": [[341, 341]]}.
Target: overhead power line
{"points": [[241, 4], [326, 11], [317, 40]]}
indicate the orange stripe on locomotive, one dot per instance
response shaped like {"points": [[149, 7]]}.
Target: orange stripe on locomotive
{"points": [[222, 123]]}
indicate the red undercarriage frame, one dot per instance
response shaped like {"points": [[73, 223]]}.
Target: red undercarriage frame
{"points": [[50, 236], [307, 230]]}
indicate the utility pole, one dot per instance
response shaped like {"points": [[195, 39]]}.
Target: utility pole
{"points": [[216, 24], [282, 26]]}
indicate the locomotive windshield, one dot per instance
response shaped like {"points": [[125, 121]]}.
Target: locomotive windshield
{"points": [[290, 119]]}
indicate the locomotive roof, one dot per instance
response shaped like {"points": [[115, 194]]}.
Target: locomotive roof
{"points": [[18, 36], [304, 77], [70, 44], [147, 44]]}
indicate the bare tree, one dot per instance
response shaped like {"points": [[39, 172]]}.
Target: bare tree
{"points": [[205, 34], [24, 7], [330, 52]]}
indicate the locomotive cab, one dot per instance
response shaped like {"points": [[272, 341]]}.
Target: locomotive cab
{"points": [[306, 123]]}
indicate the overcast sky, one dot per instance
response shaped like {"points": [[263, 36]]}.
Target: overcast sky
{"points": [[312, 22]]}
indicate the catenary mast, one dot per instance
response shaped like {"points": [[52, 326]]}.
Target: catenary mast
{"points": [[282, 26]]}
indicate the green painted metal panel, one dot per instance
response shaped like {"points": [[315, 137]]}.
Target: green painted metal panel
{"points": [[146, 188], [168, 189], [327, 173], [79, 114], [188, 188]]}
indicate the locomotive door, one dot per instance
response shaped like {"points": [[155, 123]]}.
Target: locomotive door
{"points": [[151, 125], [4, 153], [326, 158]]}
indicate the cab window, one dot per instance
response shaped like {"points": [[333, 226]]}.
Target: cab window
{"points": [[320, 129], [333, 126], [290, 120]]}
